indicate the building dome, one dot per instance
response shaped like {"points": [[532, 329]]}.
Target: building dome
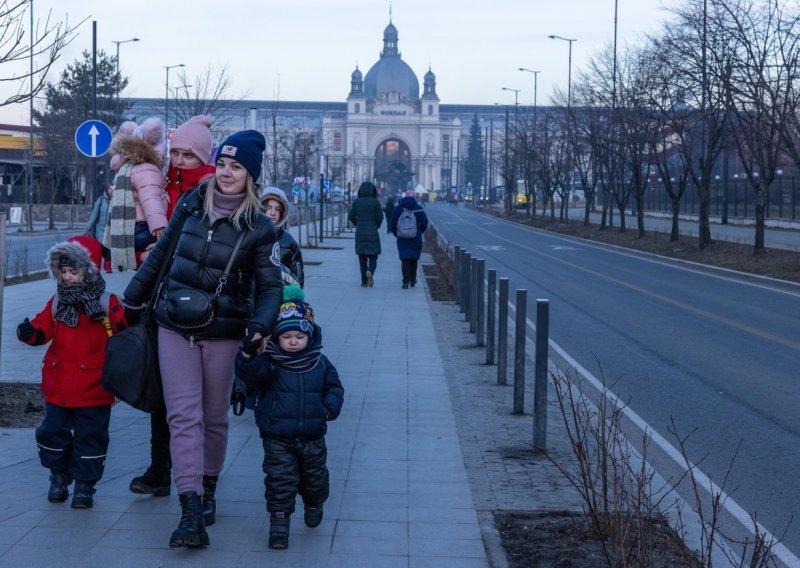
{"points": [[390, 73], [356, 76], [429, 77]]}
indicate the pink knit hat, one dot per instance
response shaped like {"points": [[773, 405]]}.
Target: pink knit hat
{"points": [[194, 136]]}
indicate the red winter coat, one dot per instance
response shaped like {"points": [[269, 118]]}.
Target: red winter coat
{"points": [[73, 363], [179, 181]]}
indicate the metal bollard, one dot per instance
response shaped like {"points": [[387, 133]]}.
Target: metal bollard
{"points": [[465, 259], [465, 272], [502, 334], [492, 302], [480, 305], [540, 381], [473, 294], [520, 333], [456, 272]]}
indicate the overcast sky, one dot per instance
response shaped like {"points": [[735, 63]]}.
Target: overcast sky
{"points": [[306, 49]]}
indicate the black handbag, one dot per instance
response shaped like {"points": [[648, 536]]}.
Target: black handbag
{"points": [[130, 370], [190, 308]]}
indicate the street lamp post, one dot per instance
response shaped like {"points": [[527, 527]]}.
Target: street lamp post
{"points": [[166, 94], [569, 68], [512, 184], [533, 131], [780, 194], [118, 44]]}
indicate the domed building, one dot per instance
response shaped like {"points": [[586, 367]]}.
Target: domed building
{"points": [[390, 133]]}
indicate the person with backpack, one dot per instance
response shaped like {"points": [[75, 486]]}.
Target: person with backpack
{"points": [[408, 223], [77, 321]]}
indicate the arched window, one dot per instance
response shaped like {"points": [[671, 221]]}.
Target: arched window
{"points": [[430, 109], [357, 108]]}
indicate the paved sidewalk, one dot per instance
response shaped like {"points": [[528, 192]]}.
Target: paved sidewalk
{"points": [[400, 494]]}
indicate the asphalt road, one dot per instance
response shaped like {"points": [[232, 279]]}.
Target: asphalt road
{"points": [[716, 354]]}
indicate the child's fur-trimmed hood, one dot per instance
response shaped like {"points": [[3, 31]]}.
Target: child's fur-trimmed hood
{"points": [[73, 254]]}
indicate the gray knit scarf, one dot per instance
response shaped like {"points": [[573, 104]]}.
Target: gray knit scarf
{"points": [[120, 231], [69, 297], [293, 362]]}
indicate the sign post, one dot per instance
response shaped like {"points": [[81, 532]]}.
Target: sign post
{"points": [[93, 139]]}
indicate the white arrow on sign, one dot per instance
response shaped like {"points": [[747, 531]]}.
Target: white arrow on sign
{"points": [[94, 133]]}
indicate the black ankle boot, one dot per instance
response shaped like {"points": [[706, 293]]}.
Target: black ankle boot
{"points": [[59, 487], [191, 531], [313, 515], [209, 502], [279, 532], [155, 481]]}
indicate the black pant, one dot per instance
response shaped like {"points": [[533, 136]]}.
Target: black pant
{"points": [[409, 268], [74, 440], [159, 440], [295, 466], [367, 262]]}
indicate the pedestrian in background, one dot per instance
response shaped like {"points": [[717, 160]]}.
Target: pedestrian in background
{"points": [[139, 204], [299, 391], [388, 209], [408, 223], [189, 153], [96, 225], [366, 216], [275, 205], [73, 436], [196, 358]]}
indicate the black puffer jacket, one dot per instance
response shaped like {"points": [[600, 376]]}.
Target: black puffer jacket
{"points": [[293, 404], [291, 256], [200, 258]]}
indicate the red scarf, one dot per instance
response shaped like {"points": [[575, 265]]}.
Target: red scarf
{"points": [[179, 181]]}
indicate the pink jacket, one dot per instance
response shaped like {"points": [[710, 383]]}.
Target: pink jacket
{"points": [[152, 201]]}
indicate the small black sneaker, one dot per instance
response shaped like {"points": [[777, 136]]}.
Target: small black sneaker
{"points": [[82, 498], [59, 487], [155, 481], [404, 286], [313, 515]]}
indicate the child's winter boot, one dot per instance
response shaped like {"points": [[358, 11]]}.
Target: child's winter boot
{"points": [[313, 515], [279, 531], [82, 498], [59, 487]]}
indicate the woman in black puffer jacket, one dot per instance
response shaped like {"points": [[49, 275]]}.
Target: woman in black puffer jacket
{"points": [[197, 362]]}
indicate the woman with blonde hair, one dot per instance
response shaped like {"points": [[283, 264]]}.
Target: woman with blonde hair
{"points": [[227, 251]]}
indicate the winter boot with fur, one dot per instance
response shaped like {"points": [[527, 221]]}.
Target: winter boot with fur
{"points": [[59, 487], [209, 501], [279, 531], [82, 498], [191, 531]]}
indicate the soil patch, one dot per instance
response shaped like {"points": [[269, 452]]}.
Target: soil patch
{"points": [[549, 540], [21, 405]]}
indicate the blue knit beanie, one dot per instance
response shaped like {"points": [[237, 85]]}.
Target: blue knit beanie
{"points": [[247, 148], [294, 314]]}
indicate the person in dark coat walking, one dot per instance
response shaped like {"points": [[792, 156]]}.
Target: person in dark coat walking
{"points": [[409, 249], [366, 215], [388, 209]]}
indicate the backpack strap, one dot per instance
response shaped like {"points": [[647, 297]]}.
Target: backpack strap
{"points": [[105, 301]]}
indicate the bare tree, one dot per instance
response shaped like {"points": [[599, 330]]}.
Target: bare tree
{"points": [[42, 48], [207, 94], [760, 87]]}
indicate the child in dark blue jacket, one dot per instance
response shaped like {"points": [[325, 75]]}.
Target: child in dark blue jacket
{"points": [[298, 392]]}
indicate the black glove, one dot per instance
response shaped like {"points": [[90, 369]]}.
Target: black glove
{"points": [[133, 315], [249, 344], [238, 396], [25, 330]]}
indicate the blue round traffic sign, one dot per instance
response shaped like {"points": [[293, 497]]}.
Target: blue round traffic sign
{"points": [[93, 138]]}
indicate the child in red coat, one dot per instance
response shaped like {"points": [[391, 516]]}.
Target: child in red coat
{"points": [[73, 436]]}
